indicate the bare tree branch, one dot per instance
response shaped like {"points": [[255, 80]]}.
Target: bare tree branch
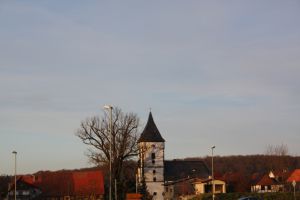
{"points": [[278, 150], [95, 133]]}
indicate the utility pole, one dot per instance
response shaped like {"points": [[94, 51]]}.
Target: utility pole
{"points": [[109, 107], [15, 193], [212, 172]]}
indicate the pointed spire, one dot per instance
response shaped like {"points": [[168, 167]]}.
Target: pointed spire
{"points": [[150, 132]]}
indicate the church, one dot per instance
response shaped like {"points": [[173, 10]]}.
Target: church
{"points": [[161, 175]]}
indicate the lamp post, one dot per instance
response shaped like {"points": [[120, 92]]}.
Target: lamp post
{"points": [[15, 193], [109, 107], [136, 182], [294, 186], [212, 172]]}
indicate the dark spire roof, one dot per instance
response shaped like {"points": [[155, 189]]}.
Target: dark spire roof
{"points": [[151, 133]]}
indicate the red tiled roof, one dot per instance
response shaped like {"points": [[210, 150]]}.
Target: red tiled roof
{"points": [[68, 183], [295, 176], [88, 182], [266, 180], [255, 177], [28, 178], [133, 196]]}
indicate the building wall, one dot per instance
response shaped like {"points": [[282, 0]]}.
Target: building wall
{"points": [[267, 188], [152, 162], [220, 187], [169, 192], [199, 188]]}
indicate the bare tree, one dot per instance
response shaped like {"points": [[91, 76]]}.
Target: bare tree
{"points": [[277, 150], [96, 134]]}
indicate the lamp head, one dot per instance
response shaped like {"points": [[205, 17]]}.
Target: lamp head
{"points": [[213, 147], [108, 106], [14, 152]]}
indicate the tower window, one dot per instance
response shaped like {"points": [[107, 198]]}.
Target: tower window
{"points": [[154, 193], [154, 171], [153, 161], [154, 179], [153, 156]]}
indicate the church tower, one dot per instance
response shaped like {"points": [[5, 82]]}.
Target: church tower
{"points": [[151, 159]]}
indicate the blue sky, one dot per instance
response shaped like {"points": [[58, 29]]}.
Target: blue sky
{"points": [[213, 72]]}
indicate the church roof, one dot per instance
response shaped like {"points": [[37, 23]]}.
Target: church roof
{"points": [[150, 132], [179, 169]]}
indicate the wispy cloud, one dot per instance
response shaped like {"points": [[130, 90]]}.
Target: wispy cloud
{"points": [[217, 72]]}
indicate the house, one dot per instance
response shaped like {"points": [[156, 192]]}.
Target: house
{"points": [[63, 184], [189, 187], [205, 186], [294, 176], [179, 176], [78, 184], [165, 179], [179, 189], [24, 190], [272, 182]]}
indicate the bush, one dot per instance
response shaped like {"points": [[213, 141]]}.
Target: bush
{"points": [[263, 196]]}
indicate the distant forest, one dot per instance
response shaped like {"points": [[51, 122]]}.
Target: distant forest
{"points": [[239, 171], [245, 165], [249, 164]]}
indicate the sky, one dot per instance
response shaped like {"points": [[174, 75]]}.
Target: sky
{"points": [[223, 73]]}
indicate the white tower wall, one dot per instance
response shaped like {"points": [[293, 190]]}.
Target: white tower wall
{"points": [[152, 154]]}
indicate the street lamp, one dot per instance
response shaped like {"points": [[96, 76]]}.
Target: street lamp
{"points": [[212, 172], [15, 193], [109, 107], [294, 186]]}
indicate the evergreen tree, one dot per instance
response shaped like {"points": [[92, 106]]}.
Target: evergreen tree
{"points": [[143, 190]]}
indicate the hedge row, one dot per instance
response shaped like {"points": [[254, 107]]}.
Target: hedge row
{"points": [[263, 196]]}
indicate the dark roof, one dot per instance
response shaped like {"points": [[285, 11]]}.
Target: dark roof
{"points": [[150, 132], [22, 185], [179, 169]]}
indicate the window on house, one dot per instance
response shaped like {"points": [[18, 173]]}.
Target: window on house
{"points": [[154, 179], [153, 161], [269, 187], [154, 171], [154, 193]]}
